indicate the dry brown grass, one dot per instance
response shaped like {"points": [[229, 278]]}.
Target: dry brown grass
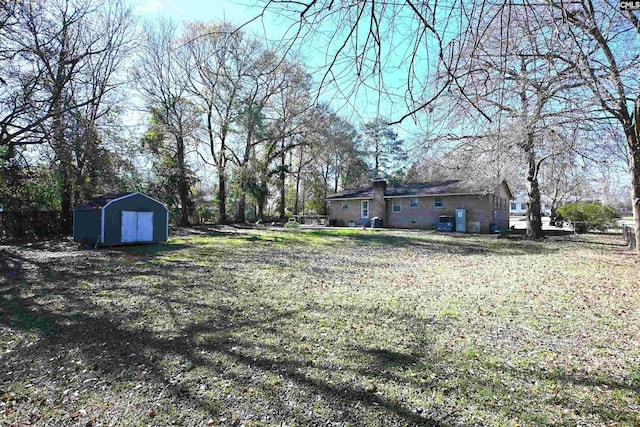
{"points": [[342, 328]]}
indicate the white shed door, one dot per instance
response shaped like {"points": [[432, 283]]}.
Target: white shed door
{"points": [[145, 226], [137, 226], [129, 226]]}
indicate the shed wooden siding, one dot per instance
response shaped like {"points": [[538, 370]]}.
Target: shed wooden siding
{"points": [[139, 203], [86, 225]]}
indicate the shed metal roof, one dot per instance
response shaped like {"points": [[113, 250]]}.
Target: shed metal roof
{"points": [[101, 202]]}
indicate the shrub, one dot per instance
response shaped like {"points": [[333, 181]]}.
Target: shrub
{"points": [[588, 216]]}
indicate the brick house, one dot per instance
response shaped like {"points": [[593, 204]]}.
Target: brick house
{"points": [[420, 205]]}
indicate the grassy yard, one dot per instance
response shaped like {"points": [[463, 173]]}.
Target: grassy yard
{"points": [[355, 328]]}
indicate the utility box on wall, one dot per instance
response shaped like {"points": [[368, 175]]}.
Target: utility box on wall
{"points": [[461, 220], [474, 227]]}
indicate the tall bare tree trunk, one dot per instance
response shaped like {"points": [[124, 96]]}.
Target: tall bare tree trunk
{"points": [[282, 183], [338, 172], [261, 202], [244, 173], [633, 141], [635, 183], [534, 218], [325, 190], [303, 197], [183, 183], [220, 160], [296, 207], [222, 195], [63, 153]]}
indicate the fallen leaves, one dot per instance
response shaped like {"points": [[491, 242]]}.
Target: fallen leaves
{"points": [[469, 330]]}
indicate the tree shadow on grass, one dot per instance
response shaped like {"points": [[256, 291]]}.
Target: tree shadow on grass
{"points": [[594, 243], [566, 379], [385, 358], [145, 249], [122, 353], [112, 345], [453, 243], [111, 348]]}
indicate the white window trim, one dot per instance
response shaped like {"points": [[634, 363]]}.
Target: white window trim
{"points": [[396, 204], [435, 203], [362, 208], [417, 203]]}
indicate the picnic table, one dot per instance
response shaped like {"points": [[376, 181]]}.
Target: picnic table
{"points": [[311, 219]]}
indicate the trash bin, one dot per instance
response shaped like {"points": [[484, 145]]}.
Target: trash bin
{"points": [[376, 222]]}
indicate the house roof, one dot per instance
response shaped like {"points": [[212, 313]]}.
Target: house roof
{"points": [[101, 201], [417, 189]]}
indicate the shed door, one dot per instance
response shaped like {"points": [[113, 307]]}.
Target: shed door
{"points": [[145, 226], [137, 226]]}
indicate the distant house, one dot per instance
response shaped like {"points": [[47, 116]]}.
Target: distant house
{"points": [[122, 218], [520, 207], [423, 205]]}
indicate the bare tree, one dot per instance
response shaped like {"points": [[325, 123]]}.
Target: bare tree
{"points": [[371, 42], [595, 39], [217, 70], [98, 85], [162, 83], [515, 76], [255, 104], [292, 114], [62, 57], [328, 161], [608, 63], [276, 121], [265, 81]]}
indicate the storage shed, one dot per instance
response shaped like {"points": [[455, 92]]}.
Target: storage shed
{"points": [[122, 218]]}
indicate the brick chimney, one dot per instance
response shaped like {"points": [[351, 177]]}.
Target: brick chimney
{"points": [[378, 204]]}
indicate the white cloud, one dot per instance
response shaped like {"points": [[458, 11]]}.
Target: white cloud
{"points": [[145, 7], [148, 7]]}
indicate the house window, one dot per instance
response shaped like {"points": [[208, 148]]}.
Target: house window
{"points": [[365, 209], [345, 205], [413, 203], [396, 206], [513, 206], [438, 203]]}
